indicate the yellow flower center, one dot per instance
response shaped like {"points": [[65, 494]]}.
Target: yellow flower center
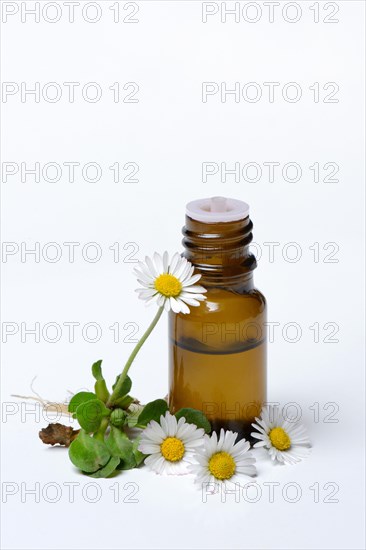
{"points": [[222, 465], [168, 285], [172, 449], [280, 439]]}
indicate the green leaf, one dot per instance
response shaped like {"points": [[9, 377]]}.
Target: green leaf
{"points": [[193, 416], [90, 414], [87, 453], [79, 398], [120, 446], [97, 370], [124, 402], [108, 469], [139, 456], [100, 385], [152, 411], [126, 386], [101, 390]]}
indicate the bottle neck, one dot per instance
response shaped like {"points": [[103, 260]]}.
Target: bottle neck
{"points": [[220, 252]]}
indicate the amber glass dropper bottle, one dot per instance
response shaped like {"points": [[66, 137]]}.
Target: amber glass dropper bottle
{"points": [[217, 353]]}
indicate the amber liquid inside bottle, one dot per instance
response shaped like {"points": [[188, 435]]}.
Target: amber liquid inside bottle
{"points": [[217, 353]]}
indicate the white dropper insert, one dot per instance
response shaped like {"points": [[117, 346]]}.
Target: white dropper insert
{"points": [[217, 209]]}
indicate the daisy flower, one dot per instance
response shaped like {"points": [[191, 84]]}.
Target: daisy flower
{"points": [[171, 285], [170, 444], [286, 441], [222, 460]]}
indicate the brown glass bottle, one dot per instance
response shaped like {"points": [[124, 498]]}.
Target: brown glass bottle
{"points": [[217, 353]]}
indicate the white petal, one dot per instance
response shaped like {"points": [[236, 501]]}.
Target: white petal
{"points": [[191, 280], [188, 300], [193, 444], [172, 424], [158, 260], [143, 271], [195, 289], [174, 262], [161, 300], [181, 268], [240, 447], [183, 275], [174, 304], [155, 462], [211, 443], [189, 274], [259, 428], [164, 425], [229, 441], [150, 265], [182, 306], [259, 444], [165, 262], [149, 448], [184, 429], [156, 428], [144, 284], [146, 292]]}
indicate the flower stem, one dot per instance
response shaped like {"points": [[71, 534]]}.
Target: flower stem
{"points": [[102, 429], [127, 366]]}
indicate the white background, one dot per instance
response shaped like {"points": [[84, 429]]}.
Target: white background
{"points": [[169, 133]]}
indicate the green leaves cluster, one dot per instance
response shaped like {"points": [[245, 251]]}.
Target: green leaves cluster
{"points": [[96, 452], [103, 446]]}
